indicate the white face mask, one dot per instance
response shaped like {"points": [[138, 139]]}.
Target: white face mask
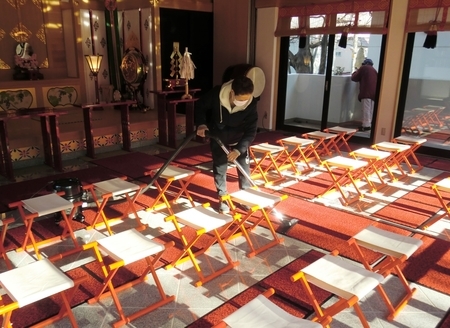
{"points": [[240, 103]]}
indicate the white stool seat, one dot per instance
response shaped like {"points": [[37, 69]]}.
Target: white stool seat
{"points": [[340, 129], [253, 197], [370, 153], [203, 218], [342, 278], [297, 141], [262, 313], [116, 186], [386, 242], [47, 204], [444, 184], [175, 173], [35, 281], [320, 134], [392, 146], [411, 140], [129, 246], [265, 147], [345, 162]]}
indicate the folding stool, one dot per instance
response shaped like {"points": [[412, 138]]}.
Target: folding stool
{"points": [[300, 150], [268, 158], [4, 227], [434, 117], [398, 152], [32, 208], [33, 282], [377, 162], [324, 142], [424, 118], [439, 188], [344, 135], [110, 189], [396, 249], [125, 248], [254, 200], [414, 143], [261, 312], [351, 170], [336, 275], [171, 174], [204, 220]]}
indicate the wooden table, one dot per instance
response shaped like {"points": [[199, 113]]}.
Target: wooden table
{"points": [[167, 101], [124, 107], [50, 138]]}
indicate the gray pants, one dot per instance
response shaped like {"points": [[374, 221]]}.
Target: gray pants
{"points": [[220, 166]]}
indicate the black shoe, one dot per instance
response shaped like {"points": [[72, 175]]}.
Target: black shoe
{"points": [[364, 128]]}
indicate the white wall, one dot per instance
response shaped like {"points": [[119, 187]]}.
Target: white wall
{"points": [[267, 54]]}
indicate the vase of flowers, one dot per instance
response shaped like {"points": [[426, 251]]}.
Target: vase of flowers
{"points": [[27, 67]]}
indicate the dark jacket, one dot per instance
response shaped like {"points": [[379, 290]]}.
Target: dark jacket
{"points": [[367, 77], [231, 128]]}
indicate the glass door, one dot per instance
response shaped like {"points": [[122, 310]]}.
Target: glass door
{"points": [[424, 107], [316, 80]]}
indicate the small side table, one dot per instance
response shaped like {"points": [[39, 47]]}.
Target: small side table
{"points": [[124, 118], [50, 138], [167, 101]]}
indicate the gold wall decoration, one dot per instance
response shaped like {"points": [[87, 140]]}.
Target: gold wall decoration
{"points": [[22, 22], [20, 33], [4, 65], [40, 34]]}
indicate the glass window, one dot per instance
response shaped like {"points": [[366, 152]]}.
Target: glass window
{"points": [[427, 105]]}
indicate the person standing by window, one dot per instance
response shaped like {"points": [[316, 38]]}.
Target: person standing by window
{"points": [[367, 77]]}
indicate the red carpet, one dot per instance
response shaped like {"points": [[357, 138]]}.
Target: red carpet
{"points": [[407, 212], [190, 156], [285, 296], [430, 265], [133, 165], [440, 164], [310, 188], [317, 225]]}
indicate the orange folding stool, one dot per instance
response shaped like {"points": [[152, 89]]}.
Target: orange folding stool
{"points": [[261, 312], [172, 174], [300, 150], [349, 282], [4, 227], [344, 135], [398, 152], [255, 201], [435, 119], [439, 188], [396, 249], [204, 220], [377, 163], [33, 282], [414, 143], [324, 142], [123, 249], [350, 171], [424, 118], [116, 188], [32, 208], [269, 158]]}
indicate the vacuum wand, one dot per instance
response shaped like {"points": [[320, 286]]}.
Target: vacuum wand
{"points": [[235, 162]]}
